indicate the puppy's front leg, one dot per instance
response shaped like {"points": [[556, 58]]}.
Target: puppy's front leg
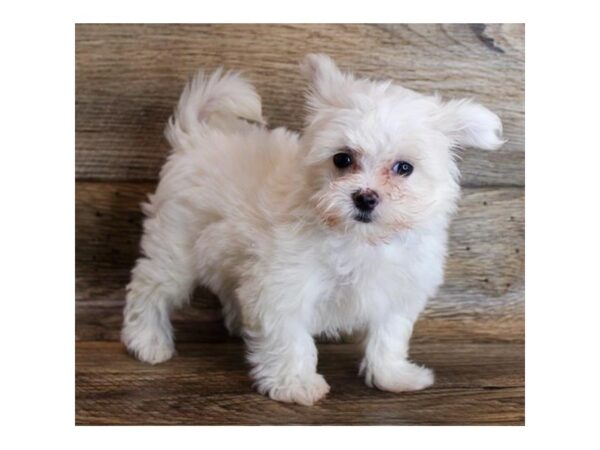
{"points": [[285, 363], [385, 364]]}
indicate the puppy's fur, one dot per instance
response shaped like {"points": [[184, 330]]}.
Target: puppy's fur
{"points": [[266, 220]]}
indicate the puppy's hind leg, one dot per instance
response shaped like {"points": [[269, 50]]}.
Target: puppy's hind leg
{"points": [[161, 281]]}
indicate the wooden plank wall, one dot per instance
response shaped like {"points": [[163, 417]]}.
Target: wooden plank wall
{"points": [[128, 78]]}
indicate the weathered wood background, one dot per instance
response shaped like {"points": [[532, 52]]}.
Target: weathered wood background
{"points": [[128, 78]]}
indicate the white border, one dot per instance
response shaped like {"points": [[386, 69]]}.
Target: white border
{"points": [[38, 217]]}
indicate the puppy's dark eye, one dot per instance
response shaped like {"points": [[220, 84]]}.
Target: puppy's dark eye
{"points": [[403, 168], [342, 160]]}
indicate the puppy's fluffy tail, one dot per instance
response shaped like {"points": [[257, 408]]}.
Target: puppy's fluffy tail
{"points": [[218, 100]]}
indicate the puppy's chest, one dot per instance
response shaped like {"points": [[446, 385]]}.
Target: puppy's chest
{"points": [[357, 273], [359, 265]]}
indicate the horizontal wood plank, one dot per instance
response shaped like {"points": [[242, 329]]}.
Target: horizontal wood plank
{"points": [[208, 384], [483, 293], [128, 78], [102, 321]]}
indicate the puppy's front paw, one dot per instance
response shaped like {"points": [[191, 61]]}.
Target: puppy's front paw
{"points": [[155, 353], [150, 347], [304, 391], [399, 377]]}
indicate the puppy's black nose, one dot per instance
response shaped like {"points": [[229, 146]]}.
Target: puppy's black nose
{"points": [[365, 200]]}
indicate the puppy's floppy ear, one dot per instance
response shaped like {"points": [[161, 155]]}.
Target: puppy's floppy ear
{"points": [[469, 124], [328, 84]]}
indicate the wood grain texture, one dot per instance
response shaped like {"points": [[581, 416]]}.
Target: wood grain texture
{"points": [[130, 76], [484, 275], [208, 384]]}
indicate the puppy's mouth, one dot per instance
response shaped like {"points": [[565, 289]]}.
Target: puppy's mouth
{"points": [[363, 217]]}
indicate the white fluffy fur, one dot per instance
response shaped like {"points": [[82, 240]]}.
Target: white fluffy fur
{"points": [[264, 219]]}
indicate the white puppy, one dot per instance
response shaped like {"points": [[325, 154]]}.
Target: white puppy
{"points": [[339, 229]]}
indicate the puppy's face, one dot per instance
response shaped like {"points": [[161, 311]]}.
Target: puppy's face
{"points": [[379, 158]]}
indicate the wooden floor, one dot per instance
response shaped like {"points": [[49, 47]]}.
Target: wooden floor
{"points": [[479, 376], [128, 79], [207, 384]]}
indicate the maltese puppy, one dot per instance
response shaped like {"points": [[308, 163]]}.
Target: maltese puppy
{"points": [[340, 229]]}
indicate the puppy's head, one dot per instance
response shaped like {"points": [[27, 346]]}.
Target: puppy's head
{"points": [[380, 158]]}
